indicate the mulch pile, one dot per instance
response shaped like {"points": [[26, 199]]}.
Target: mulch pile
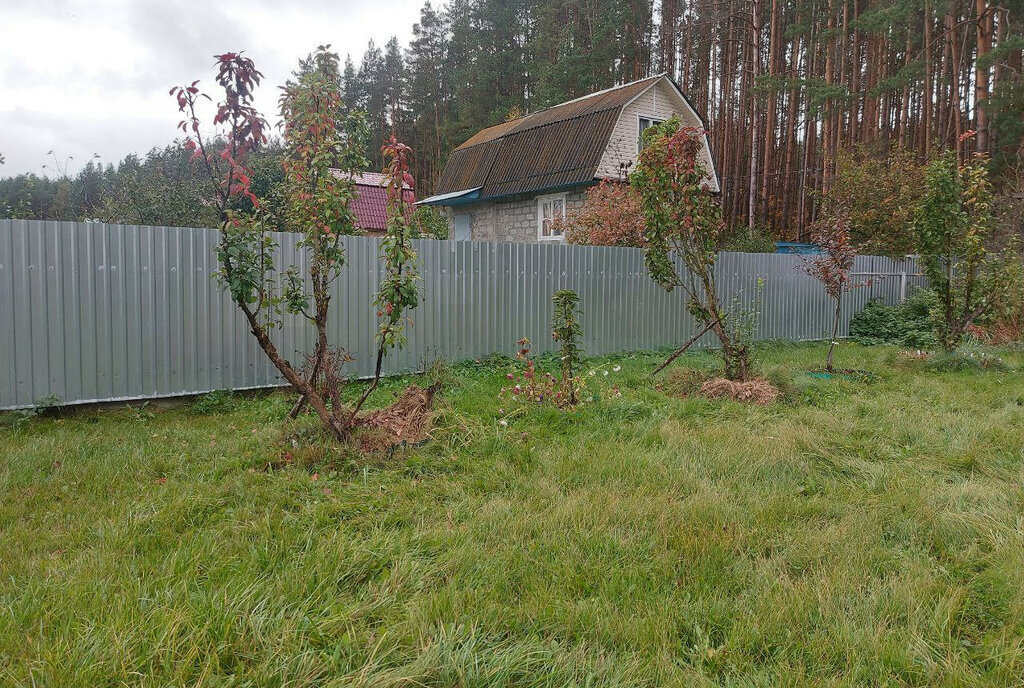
{"points": [[915, 355], [756, 391], [407, 421]]}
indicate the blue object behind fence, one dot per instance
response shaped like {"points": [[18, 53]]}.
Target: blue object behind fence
{"points": [[797, 247]]}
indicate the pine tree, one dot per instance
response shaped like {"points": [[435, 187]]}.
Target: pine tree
{"points": [[372, 98], [394, 87], [428, 96]]}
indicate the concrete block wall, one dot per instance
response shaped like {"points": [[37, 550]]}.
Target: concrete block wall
{"points": [[513, 220]]}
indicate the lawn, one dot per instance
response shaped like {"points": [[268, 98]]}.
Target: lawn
{"points": [[857, 533]]}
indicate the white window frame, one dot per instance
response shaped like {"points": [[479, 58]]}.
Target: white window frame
{"points": [[639, 133], [540, 215]]}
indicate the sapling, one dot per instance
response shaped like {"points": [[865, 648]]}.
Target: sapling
{"points": [[682, 218], [398, 292], [832, 267], [954, 229], [567, 331], [324, 150]]}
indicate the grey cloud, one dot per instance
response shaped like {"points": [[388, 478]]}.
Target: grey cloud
{"points": [[109, 95]]}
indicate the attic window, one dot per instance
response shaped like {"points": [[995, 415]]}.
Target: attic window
{"points": [[549, 209], [644, 123]]}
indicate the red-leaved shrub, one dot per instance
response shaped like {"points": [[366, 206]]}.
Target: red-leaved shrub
{"points": [[611, 216]]}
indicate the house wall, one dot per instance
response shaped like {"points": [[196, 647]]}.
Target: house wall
{"points": [[658, 102], [513, 220]]}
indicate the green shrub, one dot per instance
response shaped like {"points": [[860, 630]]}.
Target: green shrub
{"points": [[908, 324], [742, 241], [429, 223]]}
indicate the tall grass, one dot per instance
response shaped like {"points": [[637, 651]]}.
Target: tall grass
{"points": [[855, 534]]}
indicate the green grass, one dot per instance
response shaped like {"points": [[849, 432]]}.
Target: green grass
{"points": [[855, 534]]}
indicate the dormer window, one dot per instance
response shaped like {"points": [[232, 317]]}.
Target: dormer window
{"points": [[644, 123]]}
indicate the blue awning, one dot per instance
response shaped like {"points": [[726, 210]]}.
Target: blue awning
{"points": [[453, 198]]}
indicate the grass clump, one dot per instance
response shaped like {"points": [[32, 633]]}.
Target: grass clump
{"points": [[960, 361], [868, 536]]}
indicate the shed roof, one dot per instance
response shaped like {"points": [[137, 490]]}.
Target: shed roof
{"points": [[555, 148]]}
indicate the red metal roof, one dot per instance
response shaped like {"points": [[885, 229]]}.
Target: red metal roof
{"points": [[370, 205]]}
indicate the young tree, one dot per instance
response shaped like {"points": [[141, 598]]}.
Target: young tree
{"points": [[683, 219], [318, 136], [832, 268], [317, 202], [566, 330], [398, 291], [954, 230]]}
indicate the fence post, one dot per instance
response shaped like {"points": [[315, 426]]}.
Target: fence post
{"points": [[903, 285]]}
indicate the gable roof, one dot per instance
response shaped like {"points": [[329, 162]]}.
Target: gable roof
{"points": [[365, 178], [370, 205], [555, 148]]}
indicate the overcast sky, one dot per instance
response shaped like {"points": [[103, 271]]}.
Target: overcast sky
{"points": [[84, 78]]}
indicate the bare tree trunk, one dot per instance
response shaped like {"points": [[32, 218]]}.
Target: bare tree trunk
{"points": [[755, 116], [981, 72], [339, 429], [905, 102], [928, 80], [835, 333], [681, 350]]}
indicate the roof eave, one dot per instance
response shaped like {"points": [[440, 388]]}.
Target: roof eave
{"points": [[454, 198]]}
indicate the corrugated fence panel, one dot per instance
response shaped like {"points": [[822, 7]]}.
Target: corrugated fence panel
{"points": [[95, 312]]}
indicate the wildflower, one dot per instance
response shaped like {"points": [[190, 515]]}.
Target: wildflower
{"points": [[503, 423], [617, 368], [605, 373], [510, 376]]}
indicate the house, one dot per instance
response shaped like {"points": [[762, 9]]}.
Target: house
{"points": [[510, 181], [370, 206]]}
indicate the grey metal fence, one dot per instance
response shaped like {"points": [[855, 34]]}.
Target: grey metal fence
{"points": [[97, 312]]}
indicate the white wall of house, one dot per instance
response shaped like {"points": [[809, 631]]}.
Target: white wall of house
{"points": [[515, 220], [659, 102]]}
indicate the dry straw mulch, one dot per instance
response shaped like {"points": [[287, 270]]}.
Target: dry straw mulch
{"points": [[756, 391], [407, 421]]}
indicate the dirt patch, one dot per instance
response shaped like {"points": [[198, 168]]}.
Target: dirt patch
{"points": [[407, 421], [756, 391]]}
